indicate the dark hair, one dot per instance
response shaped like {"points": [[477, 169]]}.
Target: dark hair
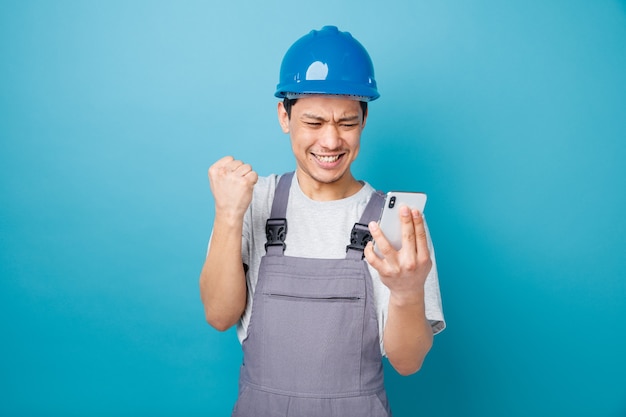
{"points": [[289, 102]]}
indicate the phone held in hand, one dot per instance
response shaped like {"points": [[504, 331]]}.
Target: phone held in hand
{"points": [[390, 217]]}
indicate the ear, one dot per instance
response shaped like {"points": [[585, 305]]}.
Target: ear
{"points": [[283, 117], [365, 117]]}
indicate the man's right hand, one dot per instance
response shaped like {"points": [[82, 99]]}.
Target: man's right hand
{"points": [[232, 183]]}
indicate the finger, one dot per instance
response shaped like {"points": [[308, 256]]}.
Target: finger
{"points": [[243, 169], [372, 257], [219, 165], [252, 176], [408, 230], [382, 265], [223, 161], [234, 165], [420, 236], [223, 167], [382, 244], [227, 159]]}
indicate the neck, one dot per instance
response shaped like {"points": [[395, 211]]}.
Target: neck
{"points": [[336, 190]]}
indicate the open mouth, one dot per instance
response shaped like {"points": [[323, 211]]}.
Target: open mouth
{"points": [[328, 159]]}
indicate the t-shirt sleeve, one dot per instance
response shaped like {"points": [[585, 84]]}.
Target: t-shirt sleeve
{"points": [[432, 292]]}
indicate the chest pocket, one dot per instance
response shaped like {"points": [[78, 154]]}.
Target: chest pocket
{"points": [[313, 340]]}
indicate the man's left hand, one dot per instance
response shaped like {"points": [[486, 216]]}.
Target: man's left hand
{"points": [[403, 271]]}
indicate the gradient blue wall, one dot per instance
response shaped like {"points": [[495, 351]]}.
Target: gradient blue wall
{"points": [[511, 115]]}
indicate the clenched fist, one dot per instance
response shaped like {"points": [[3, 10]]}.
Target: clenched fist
{"points": [[232, 183]]}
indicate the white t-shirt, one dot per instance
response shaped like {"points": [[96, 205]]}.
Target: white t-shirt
{"points": [[320, 229]]}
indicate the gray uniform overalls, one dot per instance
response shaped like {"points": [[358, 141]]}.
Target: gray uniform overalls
{"points": [[312, 347]]}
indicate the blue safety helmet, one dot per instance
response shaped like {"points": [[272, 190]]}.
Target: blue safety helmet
{"points": [[327, 61]]}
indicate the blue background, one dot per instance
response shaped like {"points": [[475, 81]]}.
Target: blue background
{"points": [[511, 115]]}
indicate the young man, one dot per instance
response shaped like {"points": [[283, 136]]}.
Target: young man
{"points": [[291, 261]]}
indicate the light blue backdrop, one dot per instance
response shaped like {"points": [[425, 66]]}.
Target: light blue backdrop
{"points": [[511, 115]]}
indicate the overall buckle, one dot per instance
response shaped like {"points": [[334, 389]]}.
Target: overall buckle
{"points": [[276, 232], [359, 237]]}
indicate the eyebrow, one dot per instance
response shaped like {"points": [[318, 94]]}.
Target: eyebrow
{"points": [[341, 119]]}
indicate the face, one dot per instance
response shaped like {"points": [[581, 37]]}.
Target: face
{"points": [[325, 138]]}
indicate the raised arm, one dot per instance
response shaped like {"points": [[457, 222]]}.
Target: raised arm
{"points": [[222, 280]]}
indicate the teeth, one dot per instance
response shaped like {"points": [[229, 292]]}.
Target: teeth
{"points": [[328, 158]]}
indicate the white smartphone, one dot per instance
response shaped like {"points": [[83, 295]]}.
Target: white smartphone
{"points": [[390, 217]]}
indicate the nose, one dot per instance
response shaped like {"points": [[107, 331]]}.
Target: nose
{"points": [[330, 137]]}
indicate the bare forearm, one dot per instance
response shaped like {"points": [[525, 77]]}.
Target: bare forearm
{"points": [[222, 281], [408, 336]]}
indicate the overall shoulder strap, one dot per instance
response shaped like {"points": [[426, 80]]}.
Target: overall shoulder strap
{"points": [[276, 225], [281, 196], [374, 207], [360, 234]]}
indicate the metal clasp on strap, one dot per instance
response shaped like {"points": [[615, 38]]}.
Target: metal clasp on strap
{"points": [[276, 232], [359, 237]]}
